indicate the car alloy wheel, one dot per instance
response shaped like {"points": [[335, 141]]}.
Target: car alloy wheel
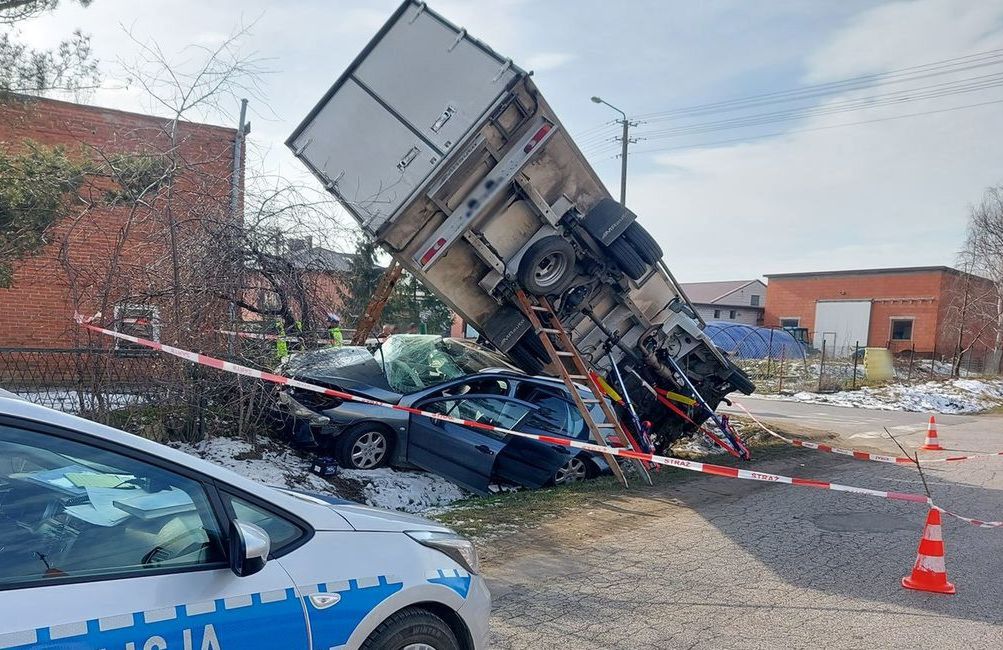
{"points": [[573, 471], [418, 646], [369, 449]]}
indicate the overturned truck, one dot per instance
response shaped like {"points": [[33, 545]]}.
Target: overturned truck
{"points": [[446, 153]]}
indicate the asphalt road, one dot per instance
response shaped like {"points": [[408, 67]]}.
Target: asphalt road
{"points": [[718, 563]]}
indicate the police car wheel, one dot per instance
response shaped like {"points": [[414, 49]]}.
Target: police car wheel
{"points": [[365, 446], [412, 629]]}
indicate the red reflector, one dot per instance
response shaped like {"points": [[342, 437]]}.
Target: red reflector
{"points": [[544, 130], [430, 253]]}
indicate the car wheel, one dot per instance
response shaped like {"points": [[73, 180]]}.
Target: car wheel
{"points": [[643, 243], [575, 470], [548, 267], [364, 446], [412, 629], [627, 259]]}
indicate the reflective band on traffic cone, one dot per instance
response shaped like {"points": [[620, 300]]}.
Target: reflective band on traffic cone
{"points": [[929, 573], [931, 443]]}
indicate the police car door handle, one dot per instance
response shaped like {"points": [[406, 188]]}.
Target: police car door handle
{"points": [[324, 600], [484, 449]]}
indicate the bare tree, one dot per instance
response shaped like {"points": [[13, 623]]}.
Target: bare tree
{"points": [[984, 249]]}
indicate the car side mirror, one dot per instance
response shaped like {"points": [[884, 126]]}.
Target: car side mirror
{"points": [[249, 548]]}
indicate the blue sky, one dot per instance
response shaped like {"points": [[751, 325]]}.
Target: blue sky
{"points": [[814, 195]]}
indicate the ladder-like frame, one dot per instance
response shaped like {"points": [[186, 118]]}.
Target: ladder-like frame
{"points": [[540, 306], [384, 288]]}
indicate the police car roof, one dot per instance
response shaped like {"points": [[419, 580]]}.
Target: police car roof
{"points": [[19, 408]]}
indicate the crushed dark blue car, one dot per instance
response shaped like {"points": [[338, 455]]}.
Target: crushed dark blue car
{"points": [[450, 376]]}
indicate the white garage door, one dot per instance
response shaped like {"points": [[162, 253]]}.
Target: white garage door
{"points": [[841, 324]]}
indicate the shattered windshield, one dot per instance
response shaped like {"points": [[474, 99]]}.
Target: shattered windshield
{"points": [[416, 361]]}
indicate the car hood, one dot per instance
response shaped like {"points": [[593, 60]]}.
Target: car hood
{"points": [[368, 519], [365, 518], [352, 369]]}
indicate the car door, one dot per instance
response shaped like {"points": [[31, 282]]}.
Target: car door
{"points": [[102, 546], [531, 463], [461, 453]]}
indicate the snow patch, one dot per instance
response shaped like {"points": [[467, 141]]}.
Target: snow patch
{"points": [[278, 466], [407, 491], [951, 396]]}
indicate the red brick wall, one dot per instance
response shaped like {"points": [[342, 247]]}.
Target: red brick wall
{"points": [[914, 295], [36, 311]]}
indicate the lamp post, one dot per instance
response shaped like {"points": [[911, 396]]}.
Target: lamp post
{"points": [[625, 140]]}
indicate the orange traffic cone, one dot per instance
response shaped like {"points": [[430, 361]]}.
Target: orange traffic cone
{"points": [[931, 443], [929, 572]]}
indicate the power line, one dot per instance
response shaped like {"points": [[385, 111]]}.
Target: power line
{"points": [[816, 128], [598, 138], [912, 73], [948, 89]]}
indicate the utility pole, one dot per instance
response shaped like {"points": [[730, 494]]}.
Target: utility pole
{"points": [[236, 176], [624, 140]]}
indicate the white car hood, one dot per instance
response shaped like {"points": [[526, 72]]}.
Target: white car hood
{"points": [[366, 518]]}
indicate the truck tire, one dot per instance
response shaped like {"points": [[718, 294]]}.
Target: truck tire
{"points": [[607, 220], [627, 259], [643, 243], [529, 354], [548, 267]]}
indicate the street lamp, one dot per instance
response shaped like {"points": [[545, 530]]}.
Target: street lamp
{"points": [[625, 140]]}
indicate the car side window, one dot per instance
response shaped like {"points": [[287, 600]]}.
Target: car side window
{"points": [[73, 510], [496, 411], [281, 532]]}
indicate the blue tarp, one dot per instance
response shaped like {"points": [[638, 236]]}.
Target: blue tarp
{"points": [[751, 342]]}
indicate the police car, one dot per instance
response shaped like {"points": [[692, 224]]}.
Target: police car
{"points": [[111, 541]]}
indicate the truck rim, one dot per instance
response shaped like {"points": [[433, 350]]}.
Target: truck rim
{"points": [[551, 269]]}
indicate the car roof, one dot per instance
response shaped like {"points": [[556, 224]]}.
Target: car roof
{"points": [[543, 379]]}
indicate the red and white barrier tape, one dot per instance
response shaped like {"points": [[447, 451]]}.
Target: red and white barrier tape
{"points": [[693, 466], [260, 337], [860, 455]]}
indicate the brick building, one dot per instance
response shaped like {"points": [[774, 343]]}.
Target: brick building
{"points": [[114, 255], [896, 308]]}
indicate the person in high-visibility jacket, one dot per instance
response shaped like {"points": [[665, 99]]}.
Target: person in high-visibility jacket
{"points": [[334, 330], [281, 346]]}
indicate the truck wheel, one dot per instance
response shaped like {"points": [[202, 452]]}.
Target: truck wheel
{"points": [[643, 243], [412, 628], [607, 220], [548, 266], [524, 358], [627, 259]]}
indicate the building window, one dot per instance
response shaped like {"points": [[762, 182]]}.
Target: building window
{"points": [[717, 313], [141, 321], [902, 329], [754, 300], [790, 323], [731, 314]]}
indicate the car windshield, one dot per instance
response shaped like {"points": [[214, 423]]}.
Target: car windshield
{"points": [[415, 361]]}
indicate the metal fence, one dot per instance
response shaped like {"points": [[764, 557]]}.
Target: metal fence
{"points": [[153, 395], [825, 370]]}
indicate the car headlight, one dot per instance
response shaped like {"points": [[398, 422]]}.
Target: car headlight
{"points": [[459, 549]]}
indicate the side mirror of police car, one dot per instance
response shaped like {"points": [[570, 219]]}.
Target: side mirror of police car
{"points": [[249, 547]]}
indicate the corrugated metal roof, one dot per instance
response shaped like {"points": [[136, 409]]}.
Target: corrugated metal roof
{"points": [[708, 292]]}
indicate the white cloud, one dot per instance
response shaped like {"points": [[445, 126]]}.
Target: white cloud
{"points": [[889, 193], [547, 61]]}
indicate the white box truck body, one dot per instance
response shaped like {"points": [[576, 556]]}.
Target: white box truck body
{"points": [[446, 153]]}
